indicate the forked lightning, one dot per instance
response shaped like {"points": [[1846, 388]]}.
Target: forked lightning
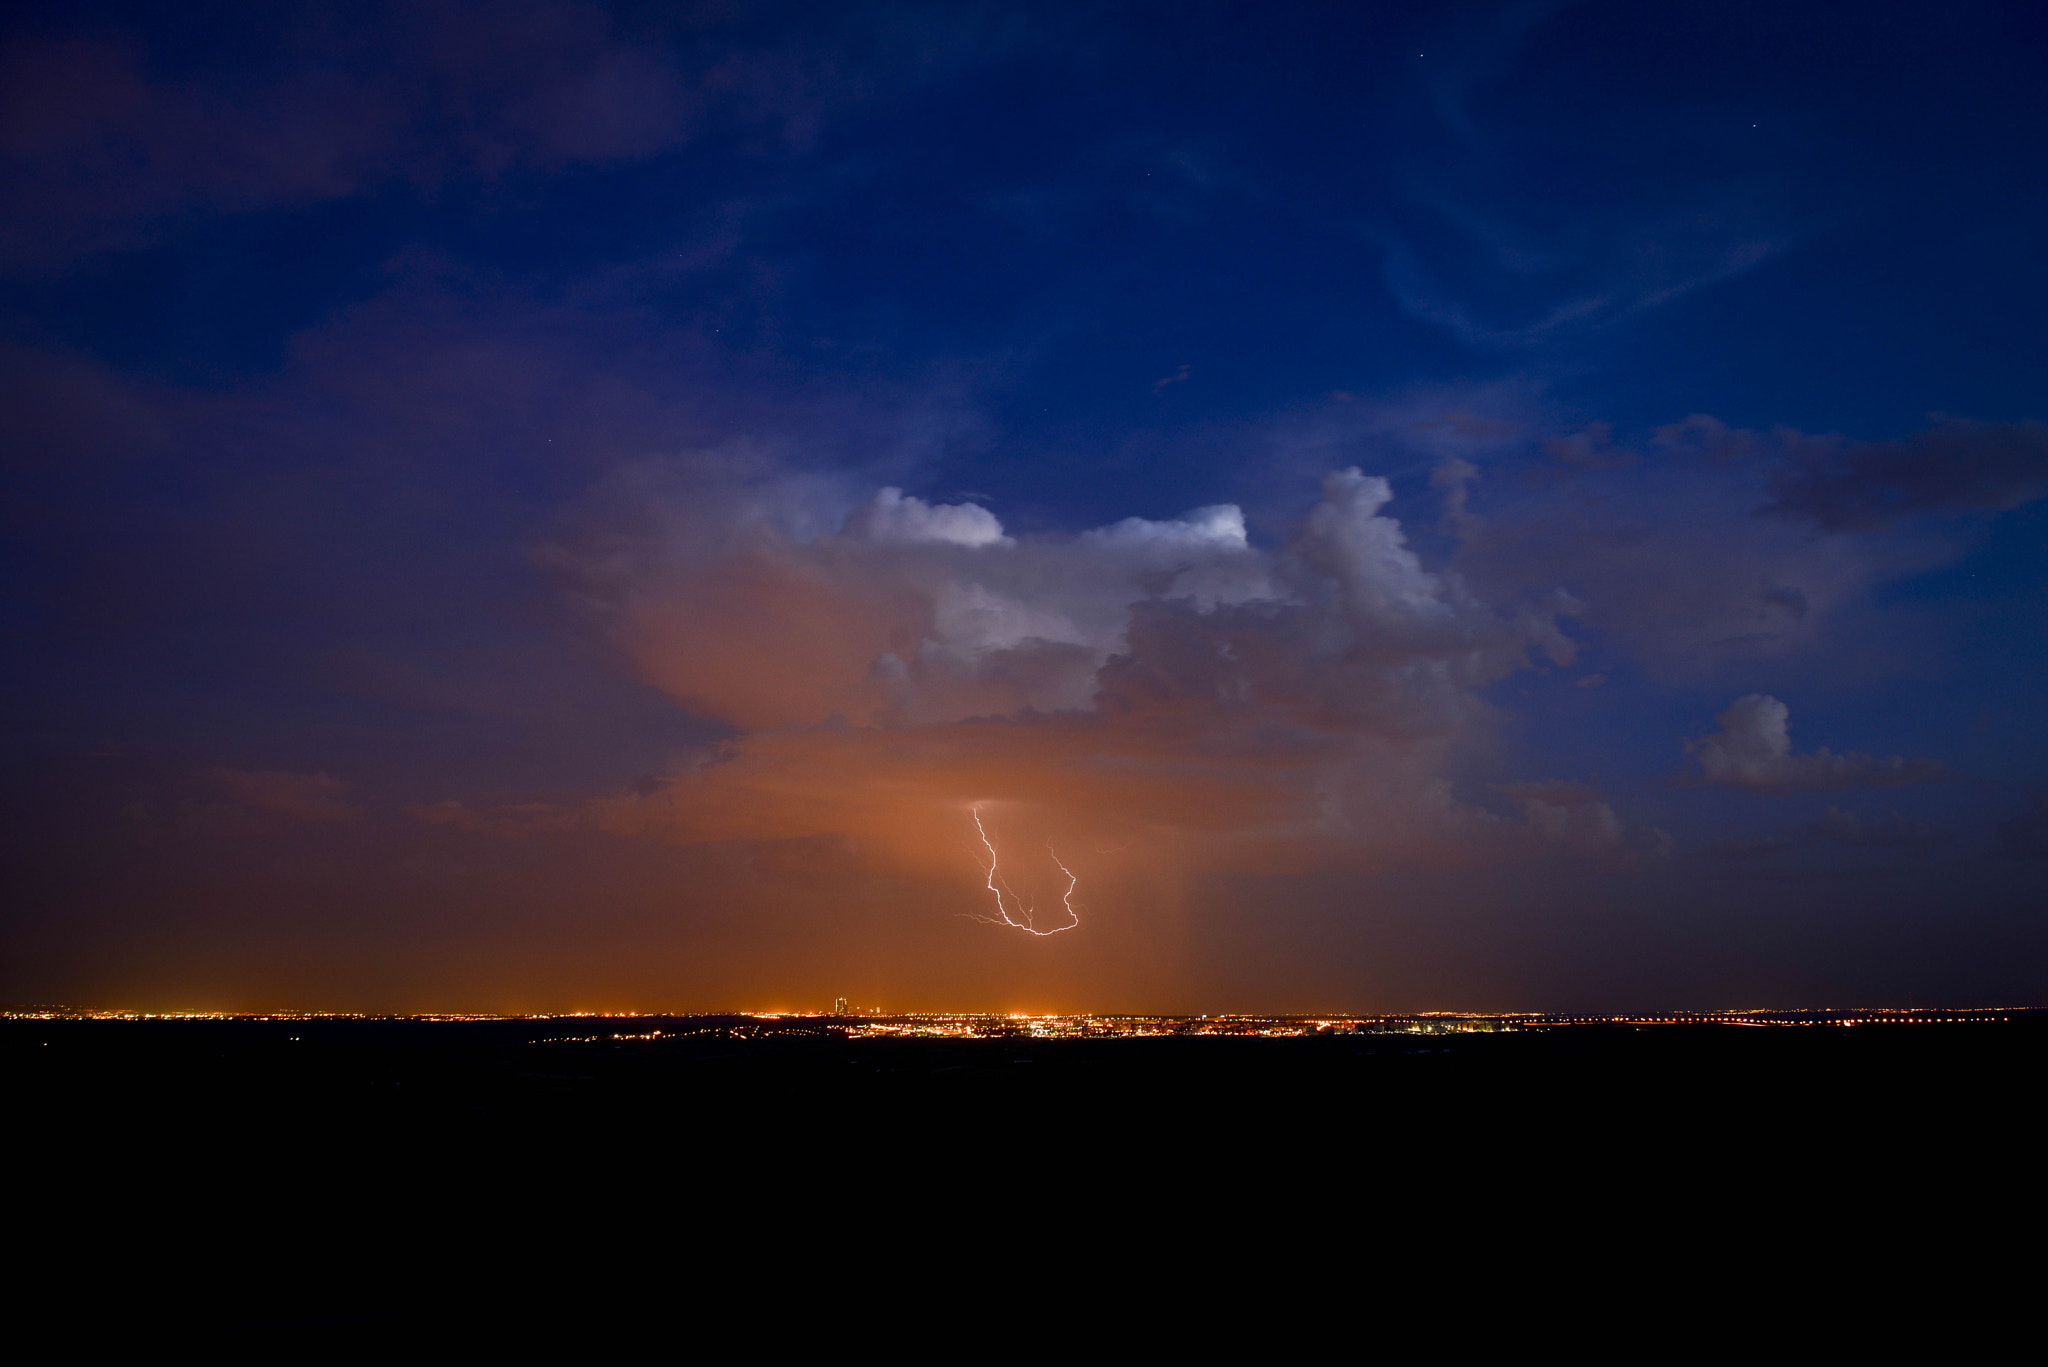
{"points": [[1006, 896]]}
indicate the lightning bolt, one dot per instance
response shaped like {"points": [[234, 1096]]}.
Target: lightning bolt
{"points": [[1002, 908], [1067, 897], [1006, 896]]}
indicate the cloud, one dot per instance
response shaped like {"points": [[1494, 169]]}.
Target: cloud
{"points": [[1568, 814], [1465, 266], [1454, 477], [1753, 750], [305, 797], [107, 140], [1591, 448], [1957, 467], [1356, 634], [1662, 542], [891, 517], [97, 148], [1165, 676], [1700, 436], [1675, 573], [912, 612]]}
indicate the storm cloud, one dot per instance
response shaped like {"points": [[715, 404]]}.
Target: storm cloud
{"points": [[1150, 675]]}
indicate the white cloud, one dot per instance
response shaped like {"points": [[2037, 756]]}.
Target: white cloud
{"points": [[892, 516], [1219, 526], [1167, 671], [1381, 580]]}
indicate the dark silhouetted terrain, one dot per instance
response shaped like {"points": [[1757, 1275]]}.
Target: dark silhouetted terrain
{"points": [[321, 1177]]}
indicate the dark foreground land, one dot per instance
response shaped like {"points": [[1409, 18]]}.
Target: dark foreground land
{"points": [[264, 1176]]}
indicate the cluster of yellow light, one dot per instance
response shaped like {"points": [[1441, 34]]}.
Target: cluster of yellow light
{"points": [[918, 1030], [1783, 1019], [51, 1013], [875, 1024]]}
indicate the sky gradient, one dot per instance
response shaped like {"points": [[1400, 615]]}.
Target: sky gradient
{"points": [[556, 506]]}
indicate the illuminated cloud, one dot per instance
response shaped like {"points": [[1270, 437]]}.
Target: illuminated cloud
{"points": [[908, 613], [916, 613], [1157, 679], [891, 517]]}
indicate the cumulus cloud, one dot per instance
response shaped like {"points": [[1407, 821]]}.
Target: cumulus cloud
{"points": [[1165, 674], [911, 613], [1362, 637], [890, 516], [1753, 750]]}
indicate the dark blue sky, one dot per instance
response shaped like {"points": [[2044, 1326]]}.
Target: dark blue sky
{"points": [[444, 564]]}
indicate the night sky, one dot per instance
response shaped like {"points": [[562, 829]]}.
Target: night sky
{"points": [[518, 507]]}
